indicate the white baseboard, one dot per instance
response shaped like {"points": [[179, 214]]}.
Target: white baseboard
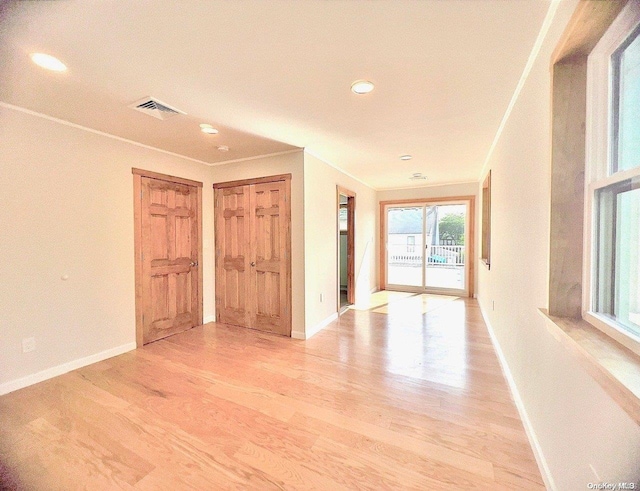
{"points": [[64, 368], [209, 318], [528, 427], [321, 325], [315, 329]]}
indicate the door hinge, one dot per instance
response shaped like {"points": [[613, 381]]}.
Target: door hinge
{"points": [[142, 256], [143, 319]]}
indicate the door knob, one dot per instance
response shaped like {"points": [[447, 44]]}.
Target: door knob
{"points": [[193, 264], [252, 263]]}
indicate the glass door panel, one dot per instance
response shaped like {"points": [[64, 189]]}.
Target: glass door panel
{"points": [[405, 246], [445, 248]]}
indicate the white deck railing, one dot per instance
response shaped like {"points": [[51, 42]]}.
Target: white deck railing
{"points": [[441, 255]]}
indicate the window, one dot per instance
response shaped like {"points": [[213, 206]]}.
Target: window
{"points": [[613, 178], [617, 258], [626, 104], [411, 243]]}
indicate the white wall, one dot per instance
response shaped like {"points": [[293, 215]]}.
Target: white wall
{"points": [[443, 191], [576, 424], [66, 208], [321, 239], [289, 163]]}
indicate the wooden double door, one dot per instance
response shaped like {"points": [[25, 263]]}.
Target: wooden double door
{"points": [[253, 253], [168, 255]]}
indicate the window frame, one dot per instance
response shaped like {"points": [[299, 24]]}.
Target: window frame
{"points": [[600, 172]]}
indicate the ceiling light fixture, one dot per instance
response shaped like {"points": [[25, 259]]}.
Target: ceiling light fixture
{"points": [[208, 129], [361, 87], [223, 148], [406, 157], [417, 176], [48, 62]]}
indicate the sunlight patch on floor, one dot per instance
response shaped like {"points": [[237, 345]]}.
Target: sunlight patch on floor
{"points": [[380, 299], [390, 302]]}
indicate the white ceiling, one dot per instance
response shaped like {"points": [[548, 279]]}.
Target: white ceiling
{"points": [[274, 75]]}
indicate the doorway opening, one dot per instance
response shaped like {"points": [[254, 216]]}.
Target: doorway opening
{"points": [[346, 207], [429, 246]]}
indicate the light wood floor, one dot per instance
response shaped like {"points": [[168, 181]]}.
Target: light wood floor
{"points": [[406, 394]]}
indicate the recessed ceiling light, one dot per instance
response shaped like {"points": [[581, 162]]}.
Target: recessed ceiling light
{"points": [[406, 157], [417, 176], [207, 128], [223, 148], [49, 62], [361, 87]]}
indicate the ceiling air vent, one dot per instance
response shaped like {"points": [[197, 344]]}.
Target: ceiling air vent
{"points": [[153, 107]]}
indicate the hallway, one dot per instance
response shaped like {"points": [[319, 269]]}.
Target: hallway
{"points": [[404, 394]]}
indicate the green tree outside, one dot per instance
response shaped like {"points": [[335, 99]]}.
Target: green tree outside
{"points": [[451, 227]]}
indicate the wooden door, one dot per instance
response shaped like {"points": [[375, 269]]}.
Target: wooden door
{"points": [[253, 260], [269, 258], [169, 290], [233, 255]]}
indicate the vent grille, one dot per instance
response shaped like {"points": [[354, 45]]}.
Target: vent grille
{"points": [[154, 107]]}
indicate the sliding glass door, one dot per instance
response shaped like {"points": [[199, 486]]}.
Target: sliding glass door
{"points": [[427, 247]]}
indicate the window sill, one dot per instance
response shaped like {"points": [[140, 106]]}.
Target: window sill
{"points": [[613, 366]]}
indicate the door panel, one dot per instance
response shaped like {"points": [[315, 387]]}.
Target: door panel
{"points": [[269, 263], [445, 262], [169, 243], [405, 230], [232, 256]]}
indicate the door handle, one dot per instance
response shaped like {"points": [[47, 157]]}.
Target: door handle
{"points": [[252, 263], [193, 264]]}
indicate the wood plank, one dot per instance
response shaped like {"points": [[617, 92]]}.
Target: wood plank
{"points": [[375, 401], [569, 102], [198, 292], [615, 367], [256, 180], [165, 177], [137, 256], [589, 22]]}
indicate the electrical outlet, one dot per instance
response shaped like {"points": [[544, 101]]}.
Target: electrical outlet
{"points": [[28, 344], [321, 297], [493, 305]]}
